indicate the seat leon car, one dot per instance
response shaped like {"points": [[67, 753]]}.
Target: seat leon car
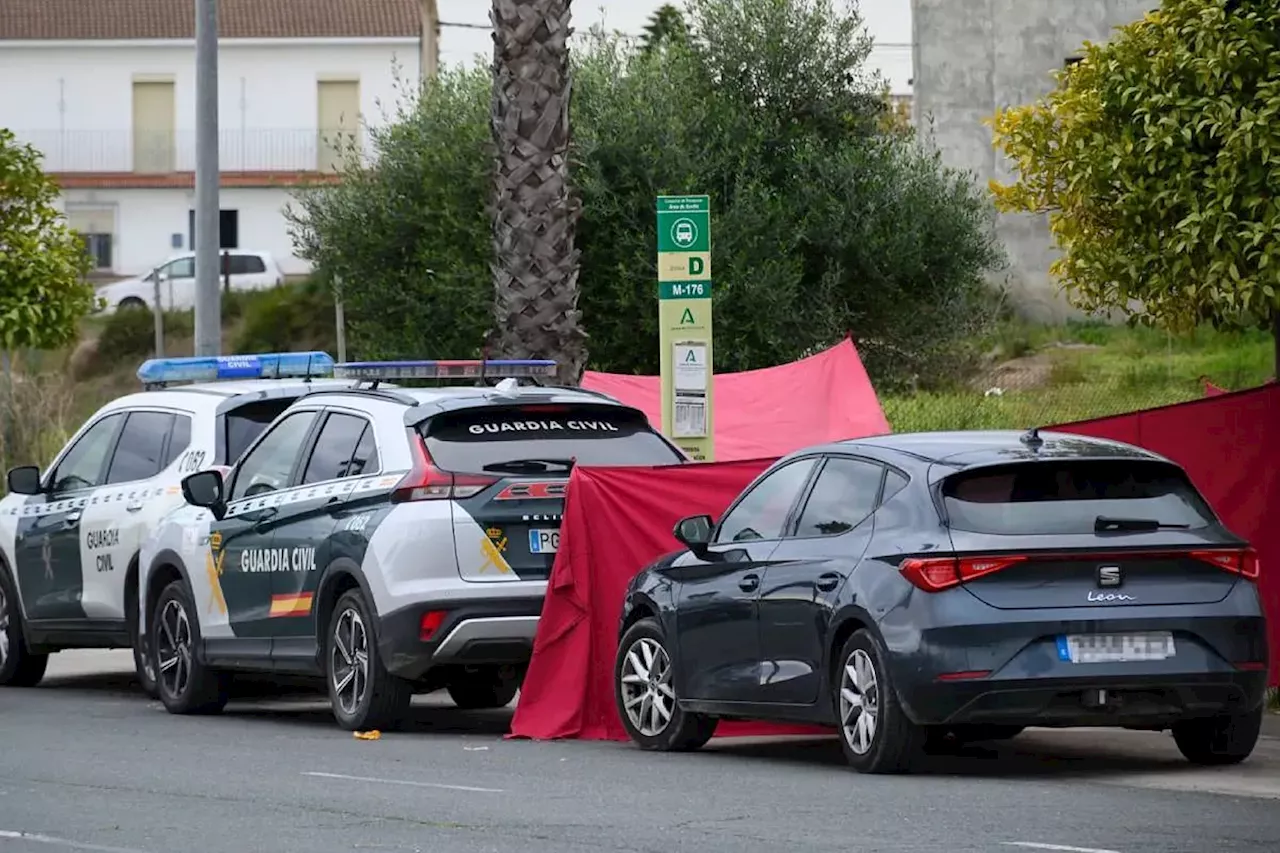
{"points": [[957, 586]]}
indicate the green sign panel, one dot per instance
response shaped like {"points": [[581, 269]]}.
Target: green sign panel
{"points": [[684, 223]]}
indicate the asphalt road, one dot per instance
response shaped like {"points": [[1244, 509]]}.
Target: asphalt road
{"points": [[88, 764]]}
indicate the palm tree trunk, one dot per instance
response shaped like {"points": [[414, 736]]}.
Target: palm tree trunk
{"points": [[535, 267]]}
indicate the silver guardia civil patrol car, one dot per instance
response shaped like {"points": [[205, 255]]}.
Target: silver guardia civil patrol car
{"points": [[70, 536], [390, 541]]}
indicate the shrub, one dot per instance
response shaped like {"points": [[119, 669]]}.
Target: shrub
{"points": [[36, 413], [291, 317]]}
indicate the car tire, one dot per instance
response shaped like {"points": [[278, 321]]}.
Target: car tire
{"points": [[644, 691], [363, 694], [143, 662], [18, 666], [129, 303], [1220, 740], [185, 684], [875, 732], [483, 689]]}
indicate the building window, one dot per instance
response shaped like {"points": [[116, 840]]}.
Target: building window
{"points": [[153, 129], [96, 227], [337, 121], [99, 248], [228, 229]]}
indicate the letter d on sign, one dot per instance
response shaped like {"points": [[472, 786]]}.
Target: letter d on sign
{"points": [[696, 266]]}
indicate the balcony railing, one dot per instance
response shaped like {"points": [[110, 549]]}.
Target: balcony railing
{"points": [[152, 152]]}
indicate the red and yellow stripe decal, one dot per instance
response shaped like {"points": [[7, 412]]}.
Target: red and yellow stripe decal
{"points": [[291, 605]]}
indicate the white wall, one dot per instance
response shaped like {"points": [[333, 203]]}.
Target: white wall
{"points": [[75, 103], [146, 219]]}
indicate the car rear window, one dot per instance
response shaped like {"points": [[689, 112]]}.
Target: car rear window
{"points": [[592, 435], [245, 423], [1067, 497]]}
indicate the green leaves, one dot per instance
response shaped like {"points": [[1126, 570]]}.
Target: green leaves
{"points": [[1155, 155], [822, 224], [43, 293]]}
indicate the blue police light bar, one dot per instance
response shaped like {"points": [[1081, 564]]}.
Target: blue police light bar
{"points": [[220, 368], [455, 369]]}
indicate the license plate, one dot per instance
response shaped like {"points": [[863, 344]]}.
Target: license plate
{"points": [[1116, 648], [544, 541]]}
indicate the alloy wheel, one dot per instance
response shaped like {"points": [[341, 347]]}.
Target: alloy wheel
{"points": [[174, 648], [647, 695], [859, 702], [349, 661], [4, 629]]}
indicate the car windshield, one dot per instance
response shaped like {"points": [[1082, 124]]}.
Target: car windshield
{"points": [[544, 438], [1068, 497]]}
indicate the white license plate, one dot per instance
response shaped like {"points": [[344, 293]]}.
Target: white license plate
{"points": [[544, 541], [1116, 648]]}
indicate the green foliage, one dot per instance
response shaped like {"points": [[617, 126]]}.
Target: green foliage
{"points": [[297, 317], [408, 237], [43, 293], [1156, 156], [822, 224], [129, 335], [666, 25]]}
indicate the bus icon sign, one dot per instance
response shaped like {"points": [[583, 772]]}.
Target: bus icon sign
{"points": [[684, 233]]}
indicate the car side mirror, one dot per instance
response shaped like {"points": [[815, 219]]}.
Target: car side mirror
{"points": [[695, 533], [204, 489], [25, 480]]}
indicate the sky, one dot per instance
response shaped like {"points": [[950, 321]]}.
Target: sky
{"points": [[464, 30]]}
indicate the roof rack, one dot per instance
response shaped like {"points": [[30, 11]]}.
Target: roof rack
{"points": [[156, 373], [480, 370]]}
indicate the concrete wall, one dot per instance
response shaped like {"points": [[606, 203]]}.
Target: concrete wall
{"points": [[973, 57]]}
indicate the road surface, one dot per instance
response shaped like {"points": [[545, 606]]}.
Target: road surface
{"points": [[89, 765]]}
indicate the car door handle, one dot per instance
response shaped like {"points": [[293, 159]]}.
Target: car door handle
{"points": [[134, 507], [828, 581], [263, 516], [72, 519], [749, 583]]}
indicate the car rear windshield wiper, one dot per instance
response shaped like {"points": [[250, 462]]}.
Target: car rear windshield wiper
{"points": [[519, 465], [1103, 524]]}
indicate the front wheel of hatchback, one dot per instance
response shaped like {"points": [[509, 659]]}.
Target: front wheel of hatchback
{"points": [[363, 694], [875, 733], [18, 667], [644, 688], [1216, 741], [185, 684]]}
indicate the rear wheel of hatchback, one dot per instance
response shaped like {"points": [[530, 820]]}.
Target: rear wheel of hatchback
{"points": [[875, 733], [1224, 739]]}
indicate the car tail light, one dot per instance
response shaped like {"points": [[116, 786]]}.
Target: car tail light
{"points": [[1243, 562], [426, 482], [934, 574], [431, 622]]}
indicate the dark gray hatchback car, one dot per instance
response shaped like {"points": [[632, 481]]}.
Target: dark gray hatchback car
{"points": [[956, 586]]}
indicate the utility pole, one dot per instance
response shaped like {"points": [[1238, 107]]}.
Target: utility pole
{"points": [[208, 321], [430, 60]]}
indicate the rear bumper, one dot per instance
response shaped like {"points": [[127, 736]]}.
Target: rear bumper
{"points": [[1154, 700], [475, 632]]}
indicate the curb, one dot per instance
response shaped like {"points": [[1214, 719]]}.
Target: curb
{"points": [[1271, 725]]}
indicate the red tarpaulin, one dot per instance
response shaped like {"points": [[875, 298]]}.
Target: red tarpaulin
{"points": [[616, 520], [775, 410], [1228, 445]]}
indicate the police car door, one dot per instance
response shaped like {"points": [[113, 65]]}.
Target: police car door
{"points": [[258, 490], [306, 524], [51, 576], [118, 515]]}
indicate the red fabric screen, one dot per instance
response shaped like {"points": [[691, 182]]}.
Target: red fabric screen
{"points": [[775, 410], [1228, 445], [616, 521]]}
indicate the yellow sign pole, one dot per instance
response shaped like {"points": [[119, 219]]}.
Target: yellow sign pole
{"points": [[684, 323]]}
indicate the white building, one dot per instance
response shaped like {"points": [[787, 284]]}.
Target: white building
{"points": [[106, 90]]}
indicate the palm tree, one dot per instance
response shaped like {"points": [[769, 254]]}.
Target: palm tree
{"points": [[535, 266]]}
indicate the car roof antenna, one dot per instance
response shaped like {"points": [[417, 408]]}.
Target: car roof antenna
{"points": [[1031, 438]]}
